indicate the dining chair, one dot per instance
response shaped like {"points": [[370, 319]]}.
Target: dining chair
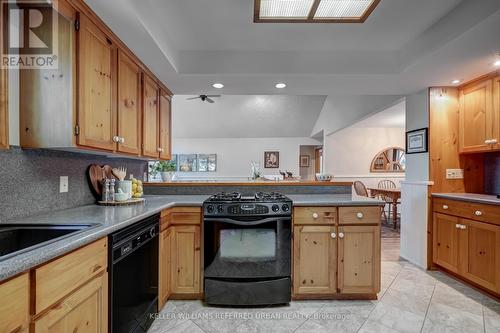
{"points": [[360, 189], [387, 184]]}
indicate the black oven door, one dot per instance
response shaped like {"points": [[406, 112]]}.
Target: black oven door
{"points": [[247, 249]]}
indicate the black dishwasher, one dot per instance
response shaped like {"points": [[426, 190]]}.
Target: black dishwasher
{"points": [[133, 276]]}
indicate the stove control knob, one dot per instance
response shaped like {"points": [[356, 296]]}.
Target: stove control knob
{"points": [[210, 209], [220, 208], [285, 208], [275, 208]]}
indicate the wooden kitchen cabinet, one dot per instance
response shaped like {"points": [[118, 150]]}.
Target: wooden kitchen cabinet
{"points": [[97, 71], [496, 110], [14, 309], [165, 267], [314, 260], [477, 131], [359, 259], [185, 256], [165, 126], [85, 310], [151, 119], [129, 106], [445, 241]]}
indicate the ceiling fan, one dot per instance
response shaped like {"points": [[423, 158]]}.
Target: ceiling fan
{"points": [[205, 98]]}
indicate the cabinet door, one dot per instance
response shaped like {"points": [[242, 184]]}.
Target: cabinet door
{"points": [[314, 260], [479, 256], [150, 135], [84, 311], [359, 259], [476, 117], [14, 307], [96, 112], [445, 241], [165, 265], [129, 106], [165, 127], [186, 270]]}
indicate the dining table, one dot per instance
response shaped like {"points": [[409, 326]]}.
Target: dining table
{"points": [[390, 195]]}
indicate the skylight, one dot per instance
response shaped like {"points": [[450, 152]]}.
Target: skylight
{"points": [[313, 11]]}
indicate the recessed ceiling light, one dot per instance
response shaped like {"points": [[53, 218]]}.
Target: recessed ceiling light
{"points": [[455, 82], [218, 85], [497, 63], [280, 85]]}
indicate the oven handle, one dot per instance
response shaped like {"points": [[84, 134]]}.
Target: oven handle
{"points": [[239, 222]]}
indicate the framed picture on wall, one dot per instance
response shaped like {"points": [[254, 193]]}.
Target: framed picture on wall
{"points": [[417, 141], [271, 159], [304, 161], [207, 162], [187, 162]]}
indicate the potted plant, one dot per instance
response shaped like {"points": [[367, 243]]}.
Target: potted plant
{"points": [[165, 168]]}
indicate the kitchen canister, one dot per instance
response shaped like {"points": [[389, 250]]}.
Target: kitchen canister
{"points": [[125, 186]]}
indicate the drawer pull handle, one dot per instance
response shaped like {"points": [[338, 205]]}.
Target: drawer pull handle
{"points": [[315, 215], [334, 235], [360, 215], [478, 213], [445, 207], [341, 235]]}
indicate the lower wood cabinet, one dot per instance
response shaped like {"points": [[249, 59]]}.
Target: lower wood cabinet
{"points": [[14, 307], [165, 267], [185, 256], [85, 310], [315, 260], [468, 248], [335, 261]]}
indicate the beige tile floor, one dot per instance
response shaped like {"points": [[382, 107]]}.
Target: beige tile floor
{"points": [[411, 300]]}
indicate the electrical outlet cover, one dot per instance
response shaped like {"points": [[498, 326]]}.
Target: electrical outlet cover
{"points": [[63, 184]]}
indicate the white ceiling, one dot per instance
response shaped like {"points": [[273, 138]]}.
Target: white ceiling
{"points": [[245, 116], [405, 46], [394, 116]]}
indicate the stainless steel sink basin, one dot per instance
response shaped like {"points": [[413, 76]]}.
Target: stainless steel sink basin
{"points": [[19, 238]]}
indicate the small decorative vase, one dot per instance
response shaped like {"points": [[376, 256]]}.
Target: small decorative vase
{"points": [[167, 176]]}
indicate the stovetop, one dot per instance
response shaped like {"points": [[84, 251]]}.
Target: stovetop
{"points": [[257, 204]]}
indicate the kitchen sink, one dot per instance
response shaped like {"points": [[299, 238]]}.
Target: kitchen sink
{"points": [[18, 238]]}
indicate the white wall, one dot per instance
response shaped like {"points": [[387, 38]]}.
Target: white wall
{"points": [[348, 153], [417, 116], [234, 155]]}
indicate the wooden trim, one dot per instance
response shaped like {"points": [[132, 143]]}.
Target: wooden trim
{"points": [[357, 297], [488, 76], [311, 19], [256, 183], [4, 94]]}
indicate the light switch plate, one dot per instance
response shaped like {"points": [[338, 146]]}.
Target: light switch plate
{"points": [[63, 184], [454, 173]]}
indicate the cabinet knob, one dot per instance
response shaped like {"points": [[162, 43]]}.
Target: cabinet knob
{"points": [[457, 226], [334, 235], [341, 235], [360, 215], [493, 141], [487, 142], [159, 149], [315, 215], [445, 207], [463, 227], [122, 140], [116, 139], [478, 213]]}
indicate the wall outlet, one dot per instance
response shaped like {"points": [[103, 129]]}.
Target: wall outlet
{"points": [[454, 173], [63, 184]]}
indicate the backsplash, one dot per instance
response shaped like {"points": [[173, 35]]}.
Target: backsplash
{"points": [[29, 180], [492, 173]]}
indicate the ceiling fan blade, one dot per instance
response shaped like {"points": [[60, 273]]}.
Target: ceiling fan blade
{"points": [[213, 95], [192, 98], [209, 100]]}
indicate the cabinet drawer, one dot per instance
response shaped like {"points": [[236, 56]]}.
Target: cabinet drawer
{"points": [[359, 215], [58, 278], [14, 307], [185, 215], [468, 210], [315, 215]]}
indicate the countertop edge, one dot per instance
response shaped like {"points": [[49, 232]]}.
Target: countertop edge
{"points": [[466, 197]]}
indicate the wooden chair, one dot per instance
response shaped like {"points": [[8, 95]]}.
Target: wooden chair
{"points": [[386, 184], [360, 189]]}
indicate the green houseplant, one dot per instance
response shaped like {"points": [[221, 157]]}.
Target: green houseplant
{"points": [[166, 169]]}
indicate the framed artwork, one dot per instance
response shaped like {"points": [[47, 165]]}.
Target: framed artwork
{"points": [[417, 141], [187, 162], [271, 159], [304, 161], [207, 162]]}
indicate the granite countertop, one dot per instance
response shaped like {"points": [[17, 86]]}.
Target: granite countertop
{"points": [[470, 197], [111, 219]]}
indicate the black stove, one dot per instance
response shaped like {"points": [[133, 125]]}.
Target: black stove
{"points": [[258, 204]]}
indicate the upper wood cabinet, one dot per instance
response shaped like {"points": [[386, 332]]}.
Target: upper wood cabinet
{"points": [[496, 110], [165, 126], [97, 70], [477, 130], [129, 105], [14, 313], [151, 119], [315, 260]]}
